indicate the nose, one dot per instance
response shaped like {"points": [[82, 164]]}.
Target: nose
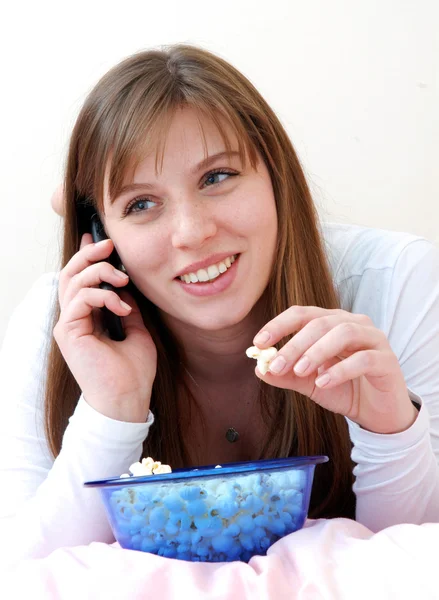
{"points": [[193, 224]]}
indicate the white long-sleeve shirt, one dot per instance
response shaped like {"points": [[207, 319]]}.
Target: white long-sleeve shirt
{"points": [[392, 277]]}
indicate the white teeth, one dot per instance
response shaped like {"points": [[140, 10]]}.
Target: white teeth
{"points": [[202, 275], [213, 271], [209, 274]]}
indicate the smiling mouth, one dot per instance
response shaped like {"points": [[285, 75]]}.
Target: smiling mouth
{"points": [[211, 273]]}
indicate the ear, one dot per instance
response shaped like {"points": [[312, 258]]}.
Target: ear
{"points": [[57, 200]]}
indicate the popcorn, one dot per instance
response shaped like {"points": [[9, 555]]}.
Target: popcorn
{"points": [[189, 520], [264, 357], [137, 469], [148, 466], [147, 462], [218, 519], [162, 469]]}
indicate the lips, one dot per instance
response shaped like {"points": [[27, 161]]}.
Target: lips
{"points": [[211, 288], [203, 264], [209, 274]]}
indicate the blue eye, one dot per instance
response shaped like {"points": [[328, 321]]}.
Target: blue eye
{"points": [[215, 178], [139, 205], [218, 176]]}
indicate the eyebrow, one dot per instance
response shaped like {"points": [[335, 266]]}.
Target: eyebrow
{"points": [[212, 158], [204, 164]]}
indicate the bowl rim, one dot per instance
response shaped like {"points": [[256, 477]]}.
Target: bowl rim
{"points": [[240, 468]]}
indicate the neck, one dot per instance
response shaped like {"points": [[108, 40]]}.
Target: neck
{"points": [[218, 357]]}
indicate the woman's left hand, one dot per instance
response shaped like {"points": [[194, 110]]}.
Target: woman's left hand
{"points": [[342, 362]]}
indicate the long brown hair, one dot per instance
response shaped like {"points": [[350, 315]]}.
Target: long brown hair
{"points": [[130, 110]]}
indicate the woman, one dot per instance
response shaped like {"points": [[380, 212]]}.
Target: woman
{"points": [[203, 197]]}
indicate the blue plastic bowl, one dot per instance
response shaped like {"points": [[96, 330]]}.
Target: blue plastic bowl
{"points": [[210, 514]]}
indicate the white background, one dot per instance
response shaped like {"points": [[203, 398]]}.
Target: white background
{"points": [[356, 84]]}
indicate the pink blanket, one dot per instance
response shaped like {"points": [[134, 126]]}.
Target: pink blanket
{"points": [[337, 559]]}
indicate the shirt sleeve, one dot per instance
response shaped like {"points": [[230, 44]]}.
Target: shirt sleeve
{"points": [[397, 475], [43, 505]]}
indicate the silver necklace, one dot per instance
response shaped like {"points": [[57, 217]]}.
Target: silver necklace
{"points": [[232, 435]]}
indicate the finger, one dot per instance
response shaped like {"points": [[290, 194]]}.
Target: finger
{"points": [[85, 240], [98, 322], [302, 385], [92, 276], [86, 256], [76, 318], [291, 352], [288, 322], [371, 363], [133, 321], [341, 341], [327, 365]]}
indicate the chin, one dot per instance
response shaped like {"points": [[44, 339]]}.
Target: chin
{"points": [[216, 320]]}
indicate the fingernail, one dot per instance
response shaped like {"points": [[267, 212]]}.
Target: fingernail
{"points": [[278, 364], [101, 243], [302, 365], [125, 305], [261, 338], [323, 380], [120, 274]]}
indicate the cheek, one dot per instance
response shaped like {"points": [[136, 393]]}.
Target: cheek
{"points": [[258, 215], [144, 253], [265, 229]]}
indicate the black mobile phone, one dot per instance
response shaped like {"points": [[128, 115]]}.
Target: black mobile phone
{"points": [[89, 222]]}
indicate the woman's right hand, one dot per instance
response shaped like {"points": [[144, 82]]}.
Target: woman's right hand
{"points": [[115, 377]]}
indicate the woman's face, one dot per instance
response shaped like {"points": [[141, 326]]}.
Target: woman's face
{"points": [[190, 220]]}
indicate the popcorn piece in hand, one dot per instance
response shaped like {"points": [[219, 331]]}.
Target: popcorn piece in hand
{"points": [[264, 357]]}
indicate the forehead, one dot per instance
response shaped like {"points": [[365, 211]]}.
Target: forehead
{"points": [[188, 138], [177, 143]]}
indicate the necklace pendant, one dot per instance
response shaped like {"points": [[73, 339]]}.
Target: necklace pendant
{"points": [[232, 435]]}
